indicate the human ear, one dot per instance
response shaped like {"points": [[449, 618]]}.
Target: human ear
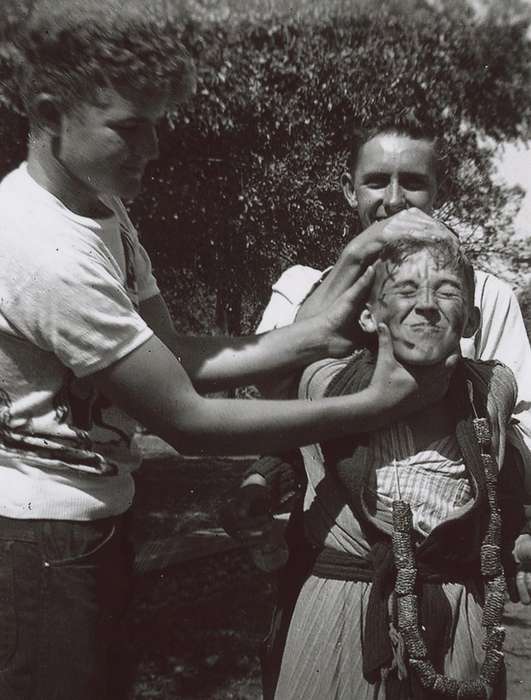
{"points": [[47, 113], [367, 321], [347, 183], [472, 323]]}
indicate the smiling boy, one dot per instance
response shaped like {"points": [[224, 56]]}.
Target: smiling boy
{"points": [[345, 638]]}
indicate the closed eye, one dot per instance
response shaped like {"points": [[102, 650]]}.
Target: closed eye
{"points": [[412, 181], [376, 181], [449, 294], [405, 290]]}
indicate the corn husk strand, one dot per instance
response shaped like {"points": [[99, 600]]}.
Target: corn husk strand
{"points": [[491, 570]]}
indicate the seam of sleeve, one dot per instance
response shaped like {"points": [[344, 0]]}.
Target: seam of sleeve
{"points": [[117, 354]]}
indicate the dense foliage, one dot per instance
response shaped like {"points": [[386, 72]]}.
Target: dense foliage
{"points": [[248, 178]]}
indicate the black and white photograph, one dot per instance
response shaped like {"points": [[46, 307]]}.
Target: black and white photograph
{"points": [[265, 357]]}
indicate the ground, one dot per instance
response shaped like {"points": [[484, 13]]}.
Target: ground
{"points": [[209, 650]]}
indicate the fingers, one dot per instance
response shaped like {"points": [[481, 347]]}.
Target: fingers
{"points": [[359, 290], [386, 356], [523, 586], [413, 223], [451, 361], [385, 343]]}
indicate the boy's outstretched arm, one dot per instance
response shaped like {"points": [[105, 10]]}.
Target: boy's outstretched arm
{"points": [[214, 363], [151, 385]]}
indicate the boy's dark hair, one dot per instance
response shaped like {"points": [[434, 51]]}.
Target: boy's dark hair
{"points": [[444, 253], [70, 48], [399, 124]]}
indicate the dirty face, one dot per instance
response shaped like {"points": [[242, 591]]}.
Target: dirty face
{"points": [[426, 306]]}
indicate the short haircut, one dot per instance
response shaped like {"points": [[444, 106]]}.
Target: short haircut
{"points": [[444, 253], [401, 124], [70, 48]]}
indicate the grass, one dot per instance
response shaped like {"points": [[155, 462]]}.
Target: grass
{"points": [[208, 650], [204, 651]]}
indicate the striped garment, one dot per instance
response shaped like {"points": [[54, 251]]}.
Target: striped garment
{"points": [[323, 655], [322, 659], [432, 481]]}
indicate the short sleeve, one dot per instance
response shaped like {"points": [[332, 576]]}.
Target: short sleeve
{"points": [[146, 281], [75, 307], [317, 377], [502, 336], [289, 291]]}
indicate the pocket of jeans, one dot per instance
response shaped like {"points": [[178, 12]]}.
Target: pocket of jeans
{"points": [[90, 553], [8, 617]]}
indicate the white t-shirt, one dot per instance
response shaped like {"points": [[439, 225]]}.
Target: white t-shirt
{"points": [[69, 291], [501, 336]]}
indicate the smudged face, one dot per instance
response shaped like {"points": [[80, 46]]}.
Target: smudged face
{"points": [[392, 173], [425, 305]]}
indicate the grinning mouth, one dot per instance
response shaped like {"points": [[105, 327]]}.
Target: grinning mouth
{"points": [[426, 328]]}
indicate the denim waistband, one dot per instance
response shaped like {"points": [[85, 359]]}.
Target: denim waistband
{"points": [[28, 530]]}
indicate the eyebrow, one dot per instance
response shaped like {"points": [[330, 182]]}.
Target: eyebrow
{"points": [[455, 281], [401, 174], [396, 284]]}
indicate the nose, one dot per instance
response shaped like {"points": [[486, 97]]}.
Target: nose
{"points": [[426, 305], [394, 198]]}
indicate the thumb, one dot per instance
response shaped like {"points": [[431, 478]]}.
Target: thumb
{"points": [[451, 361], [385, 344]]}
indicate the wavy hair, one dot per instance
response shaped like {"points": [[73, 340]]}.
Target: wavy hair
{"points": [[71, 48]]}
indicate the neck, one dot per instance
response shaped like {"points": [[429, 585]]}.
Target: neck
{"points": [[47, 170]]}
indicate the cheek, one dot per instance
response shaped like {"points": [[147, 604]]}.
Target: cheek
{"points": [[390, 311], [455, 314], [367, 200], [421, 200]]}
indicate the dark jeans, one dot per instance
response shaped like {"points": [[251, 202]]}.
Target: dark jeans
{"points": [[64, 588]]}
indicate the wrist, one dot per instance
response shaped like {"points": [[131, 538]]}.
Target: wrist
{"points": [[372, 413], [314, 340]]}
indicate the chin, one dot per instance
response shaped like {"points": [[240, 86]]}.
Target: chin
{"points": [[422, 362], [422, 357]]}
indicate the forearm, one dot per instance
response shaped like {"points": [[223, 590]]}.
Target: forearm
{"points": [[154, 389], [216, 363], [226, 426], [219, 362]]}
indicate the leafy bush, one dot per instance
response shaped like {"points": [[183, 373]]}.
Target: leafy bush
{"points": [[248, 178]]}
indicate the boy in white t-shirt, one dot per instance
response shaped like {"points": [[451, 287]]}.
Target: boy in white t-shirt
{"points": [[87, 347]]}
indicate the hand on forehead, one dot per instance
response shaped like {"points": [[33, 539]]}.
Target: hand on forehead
{"points": [[416, 224]]}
